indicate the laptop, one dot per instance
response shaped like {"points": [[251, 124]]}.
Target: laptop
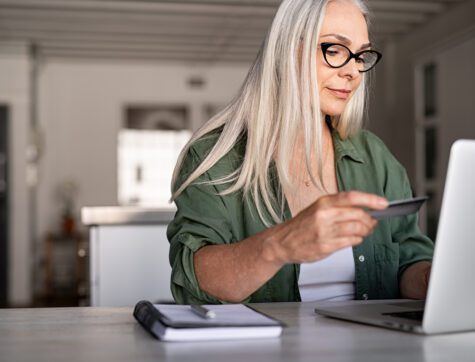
{"points": [[450, 303]]}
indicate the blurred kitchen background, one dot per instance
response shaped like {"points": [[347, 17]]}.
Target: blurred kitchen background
{"points": [[97, 97]]}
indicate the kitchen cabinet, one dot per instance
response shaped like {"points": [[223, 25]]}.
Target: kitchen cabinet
{"points": [[128, 255]]}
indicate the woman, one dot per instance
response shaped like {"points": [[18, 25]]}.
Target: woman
{"points": [[272, 192]]}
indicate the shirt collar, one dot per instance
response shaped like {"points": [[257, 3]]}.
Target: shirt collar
{"points": [[345, 148]]}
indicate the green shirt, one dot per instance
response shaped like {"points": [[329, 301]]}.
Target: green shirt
{"points": [[204, 217]]}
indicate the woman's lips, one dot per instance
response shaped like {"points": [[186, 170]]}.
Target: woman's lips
{"points": [[340, 93]]}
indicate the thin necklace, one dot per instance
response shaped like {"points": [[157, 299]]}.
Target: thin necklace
{"points": [[308, 181]]}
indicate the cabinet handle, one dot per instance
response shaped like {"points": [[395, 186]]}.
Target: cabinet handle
{"points": [[3, 173]]}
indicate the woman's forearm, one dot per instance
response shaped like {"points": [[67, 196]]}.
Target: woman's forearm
{"points": [[415, 280], [233, 272]]}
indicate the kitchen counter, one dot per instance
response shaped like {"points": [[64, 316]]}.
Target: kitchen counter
{"points": [[116, 215]]}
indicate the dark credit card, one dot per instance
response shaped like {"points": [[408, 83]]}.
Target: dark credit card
{"points": [[399, 208]]}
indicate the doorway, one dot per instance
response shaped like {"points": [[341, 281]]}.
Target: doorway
{"points": [[4, 190]]}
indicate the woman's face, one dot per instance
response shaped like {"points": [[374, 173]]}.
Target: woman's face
{"points": [[343, 24]]}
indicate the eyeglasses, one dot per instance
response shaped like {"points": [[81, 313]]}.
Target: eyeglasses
{"points": [[337, 55]]}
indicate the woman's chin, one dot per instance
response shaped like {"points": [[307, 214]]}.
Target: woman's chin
{"points": [[334, 108], [332, 112]]}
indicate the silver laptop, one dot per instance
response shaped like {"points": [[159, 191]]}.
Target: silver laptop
{"points": [[450, 303]]}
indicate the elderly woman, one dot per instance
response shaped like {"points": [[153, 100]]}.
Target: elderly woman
{"points": [[273, 192]]}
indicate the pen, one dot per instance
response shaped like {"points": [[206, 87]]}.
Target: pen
{"points": [[202, 311]]}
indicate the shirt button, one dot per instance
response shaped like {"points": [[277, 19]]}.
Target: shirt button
{"points": [[361, 258], [365, 296]]}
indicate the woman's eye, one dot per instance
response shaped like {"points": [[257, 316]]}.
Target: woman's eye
{"points": [[332, 52]]}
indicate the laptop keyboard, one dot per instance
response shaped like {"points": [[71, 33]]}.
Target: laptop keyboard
{"points": [[416, 315]]}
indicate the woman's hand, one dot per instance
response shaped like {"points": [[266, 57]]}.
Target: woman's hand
{"points": [[332, 223]]}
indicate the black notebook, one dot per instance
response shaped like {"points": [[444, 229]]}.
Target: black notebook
{"points": [[171, 322]]}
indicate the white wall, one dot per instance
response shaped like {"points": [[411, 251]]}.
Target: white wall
{"points": [[14, 92], [81, 113]]}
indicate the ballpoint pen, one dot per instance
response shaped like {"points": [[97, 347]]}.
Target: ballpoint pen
{"points": [[202, 311]]}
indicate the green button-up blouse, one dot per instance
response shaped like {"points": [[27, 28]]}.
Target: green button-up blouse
{"points": [[204, 217]]}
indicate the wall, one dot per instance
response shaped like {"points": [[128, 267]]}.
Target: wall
{"points": [[392, 112], [456, 95], [81, 112], [14, 92]]}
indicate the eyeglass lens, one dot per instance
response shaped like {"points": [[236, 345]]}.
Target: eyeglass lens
{"points": [[337, 55]]}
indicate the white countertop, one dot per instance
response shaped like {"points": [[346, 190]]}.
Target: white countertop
{"points": [[118, 215]]}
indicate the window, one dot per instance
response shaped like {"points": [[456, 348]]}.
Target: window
{"points": [[148, 149]]}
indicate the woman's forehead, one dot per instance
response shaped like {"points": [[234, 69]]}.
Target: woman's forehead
{"points": [[345, 19]]}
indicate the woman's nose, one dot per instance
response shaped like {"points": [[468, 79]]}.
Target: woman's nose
{"points": [[350, 69]]}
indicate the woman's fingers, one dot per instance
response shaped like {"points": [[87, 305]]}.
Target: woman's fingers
{"points": [[354, 198], [351, 228], [344, 242], [325, 249], [341, 214]]}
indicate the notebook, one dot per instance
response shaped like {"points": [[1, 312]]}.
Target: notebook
{"points": [[171, 322], [451, 297]]}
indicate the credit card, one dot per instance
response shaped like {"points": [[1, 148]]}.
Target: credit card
{"points": [[399, 208]]}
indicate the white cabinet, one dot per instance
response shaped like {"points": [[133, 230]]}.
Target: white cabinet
{"points": [[128, 256]]}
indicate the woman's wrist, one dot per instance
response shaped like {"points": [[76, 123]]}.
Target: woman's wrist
{"points": [[271, 250]]}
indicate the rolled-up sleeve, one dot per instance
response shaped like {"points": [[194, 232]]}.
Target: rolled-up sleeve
{"points": [[201, 219]]}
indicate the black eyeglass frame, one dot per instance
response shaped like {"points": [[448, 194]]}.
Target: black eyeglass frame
{"points": [[356, 56]]}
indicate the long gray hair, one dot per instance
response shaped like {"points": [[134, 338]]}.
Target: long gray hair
{"points": [[275, 103]]}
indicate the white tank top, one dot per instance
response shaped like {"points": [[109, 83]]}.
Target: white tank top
{"points": [[329, 279]]}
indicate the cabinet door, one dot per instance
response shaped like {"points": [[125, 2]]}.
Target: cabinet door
{"points": [[129, 263]]}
